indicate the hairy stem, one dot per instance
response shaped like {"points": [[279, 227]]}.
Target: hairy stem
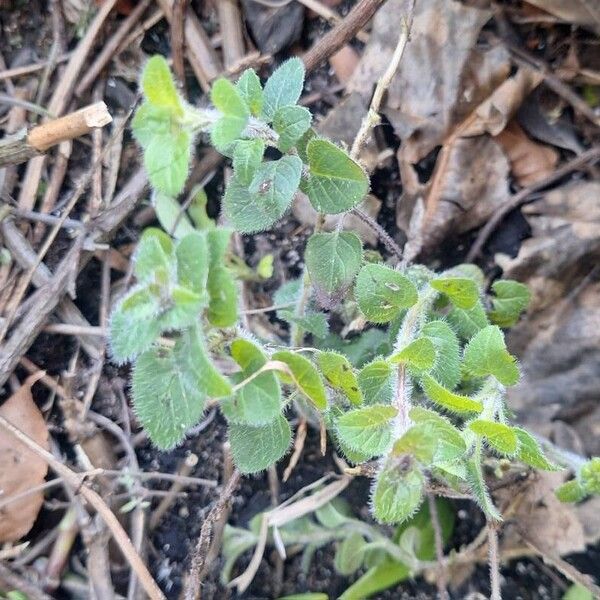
{"points": [[494, 561]]}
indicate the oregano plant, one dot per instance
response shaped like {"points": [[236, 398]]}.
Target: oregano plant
{"points": [[429, 408]]}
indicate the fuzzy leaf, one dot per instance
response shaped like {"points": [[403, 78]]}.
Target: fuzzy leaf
{"points": [[153, 258], [571, 491], [247, 158], [447, 399], [182, 308], [468, 322], [462, 291], [258, 402], [167, 160], [398, 492], [450, 443], [256, 448], [419, 355], [498, 435], [447, 366], [283, 88], [235, 113], [223, 304], [480, 491], [486, 354], [350, 554], [170, 387], [269, 195], [171, 216], [134, 325], [336, 183], [419, 441], [511, 300], [333, 261], [530, 451], [251, 91], [589, 475], [150, 121], [158, 85], [312, 322], [302, 144], [376, 382], [382, 292], [367, 429], [192, 262], [305, 376], [291, 122], [338, 372]]}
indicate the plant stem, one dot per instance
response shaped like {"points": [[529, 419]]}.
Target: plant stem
{"points": [[494, 562], [297, 336], [439, 548]]}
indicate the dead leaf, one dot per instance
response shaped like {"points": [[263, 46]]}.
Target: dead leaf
{"points": [[529, 161], [580, 12], [540, 517], [441, 78], [558, 342], [343, 62], [20, 468], [472, 184]]}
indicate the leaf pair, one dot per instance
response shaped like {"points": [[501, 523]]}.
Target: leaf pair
{"points": [[158, 127]]}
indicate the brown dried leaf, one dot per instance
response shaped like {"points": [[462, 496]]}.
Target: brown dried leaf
{"points": [[529, 161], [580, 12], [343, 62], [20, 468], [559, 340]]}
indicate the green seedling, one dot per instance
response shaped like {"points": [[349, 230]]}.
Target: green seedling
{"points": [[430, 407]]}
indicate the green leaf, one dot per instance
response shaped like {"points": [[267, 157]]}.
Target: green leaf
{"points": [[447, 366], [305, 376], [511, 300], [479, 489], [333, 261], [223, 304], [419, 355], [171, 216], [571, 491], [153, 257], [361, 348], [486, 354], [462, 291], [449, 400], [450, 443], [218, 244], [269, 195], [335, 183], [398, 491], [350, 554], [167, 160], [307, 596], [468, 322], [256, 448], [197, 209], [192, 262], [530, 451], [228, 100], [367, 429], [578, 592], [251, 91], [303, 142], [181, 309], [312, 322], [382, 292], [150, 121], [589, 475], [283, 88], [419, 441], [290, 122], [498, 435], [158, 85], [338, 372], [333, 514], [376, 382], [247, 158], [376, 579], [257, 402], [168, 397], [134, 325]]}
